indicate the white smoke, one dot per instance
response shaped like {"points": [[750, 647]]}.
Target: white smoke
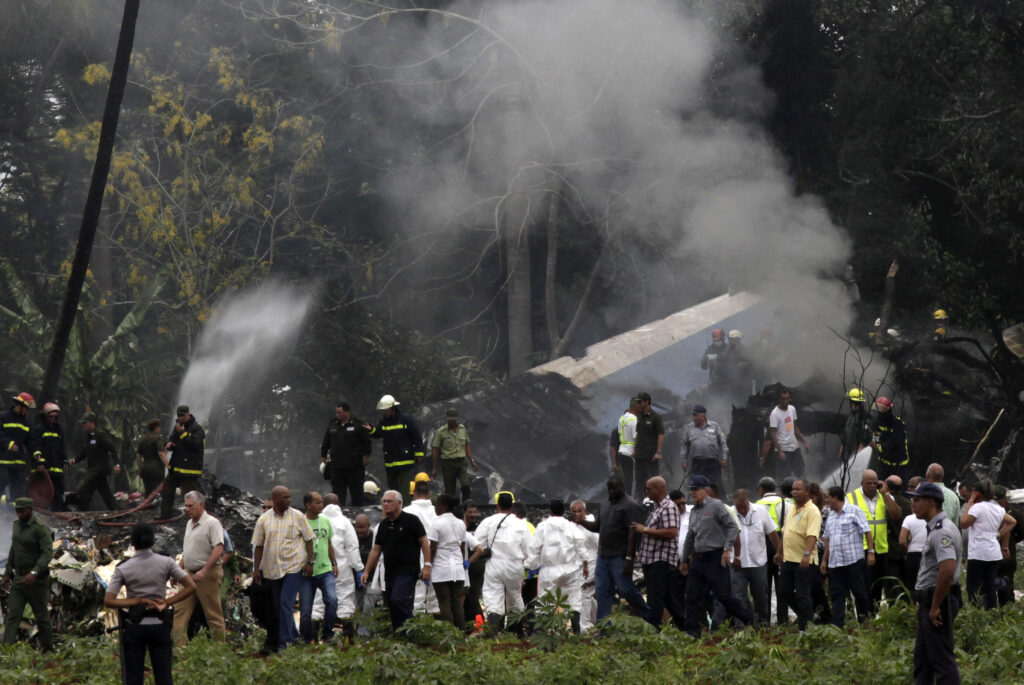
{"points": [[625, 101], [241, 343]]}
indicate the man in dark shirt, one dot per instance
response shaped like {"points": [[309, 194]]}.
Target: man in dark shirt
{"points": [[401, 538], [477, 567], [650, 439], [346, 447], [614, 525]]}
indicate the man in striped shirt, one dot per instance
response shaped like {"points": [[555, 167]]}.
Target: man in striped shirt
{"points": [[659, 553], [843, 561], [283, 542]]}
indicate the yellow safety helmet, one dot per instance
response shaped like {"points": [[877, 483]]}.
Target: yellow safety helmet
{"points": [[940, 315], [504, 492], [856, 395], [421, 477]]}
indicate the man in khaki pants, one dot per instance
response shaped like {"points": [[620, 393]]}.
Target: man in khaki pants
{"points": [[201, 553]]}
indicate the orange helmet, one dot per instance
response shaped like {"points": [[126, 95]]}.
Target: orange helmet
{"points": [[25, 399]]}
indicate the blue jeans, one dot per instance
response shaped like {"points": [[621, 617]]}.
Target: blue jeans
{"points": [[609, 578], [843, 580], [307, 589], [289, 587]]}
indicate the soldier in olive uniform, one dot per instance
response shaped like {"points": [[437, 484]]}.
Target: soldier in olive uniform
{"points": [[101, 460], [28, 572]]}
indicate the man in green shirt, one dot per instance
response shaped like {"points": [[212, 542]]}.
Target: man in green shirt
{"points": [[28, 572], [325, 568], [451, 442]]}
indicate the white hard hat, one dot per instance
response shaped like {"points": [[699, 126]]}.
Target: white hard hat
{"points": [[370, 488], [736, 334], [386, 402], [51, 407]]}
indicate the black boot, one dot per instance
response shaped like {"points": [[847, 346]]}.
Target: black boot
{"points": [[348, 630], [574, 619]]}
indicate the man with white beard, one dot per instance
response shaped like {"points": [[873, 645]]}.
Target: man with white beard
{"points": [[507, 539], [422, 508], [588, 612], [557, 547], [346, 553]]}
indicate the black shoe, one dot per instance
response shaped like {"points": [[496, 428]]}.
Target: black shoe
{"points": [[267, 650]]}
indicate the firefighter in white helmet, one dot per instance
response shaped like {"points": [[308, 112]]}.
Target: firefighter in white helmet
{"points": [[402, 442]]}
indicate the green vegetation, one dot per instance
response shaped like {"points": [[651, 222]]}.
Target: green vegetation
{"points": [[432, 652]]}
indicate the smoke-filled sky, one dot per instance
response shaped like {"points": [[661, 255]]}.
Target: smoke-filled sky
{"points": [[619, 99], [641, 112]]}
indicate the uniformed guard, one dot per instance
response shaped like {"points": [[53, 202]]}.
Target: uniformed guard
{"points": [[28, 572], [937, 590], [704, 449], [146, 625], [101, 459]]}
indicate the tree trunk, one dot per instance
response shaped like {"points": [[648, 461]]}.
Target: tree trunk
{"points": [[550, 302], [584, 302], [94, 201], [517, 256]]}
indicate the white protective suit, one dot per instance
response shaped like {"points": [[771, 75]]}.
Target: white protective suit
{"points": [[425, 599], [346, 553], [557, 547], [588, 615], [508, 538]]}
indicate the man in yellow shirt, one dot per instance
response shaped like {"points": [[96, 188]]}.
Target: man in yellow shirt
{"points": [[798, 556]]}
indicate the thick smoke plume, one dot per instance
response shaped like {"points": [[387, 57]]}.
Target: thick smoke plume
{"points": [[639, 111], [245, 337]]}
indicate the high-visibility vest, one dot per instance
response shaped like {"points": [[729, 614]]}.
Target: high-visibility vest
{"points": [[770, 502], [879, 528], [624, 421]]}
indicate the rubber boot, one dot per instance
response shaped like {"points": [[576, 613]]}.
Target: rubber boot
{"points": [[574, 619], [348, 631], [495, 622]]}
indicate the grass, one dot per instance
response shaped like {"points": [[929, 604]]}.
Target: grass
{"points": [[988, 650]]}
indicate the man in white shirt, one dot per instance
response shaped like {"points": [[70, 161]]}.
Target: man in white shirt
{"points": [[447, 536], [422, 508], [786, 438], [913, 533], [557, 548], [750, 567], [507, 538], [588, 603]]}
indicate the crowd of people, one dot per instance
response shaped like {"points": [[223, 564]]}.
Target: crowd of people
{"points": [[696, 558]]}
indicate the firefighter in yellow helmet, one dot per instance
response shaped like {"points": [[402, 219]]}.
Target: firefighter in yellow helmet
{"points": [[941, 319], [857, 432]]}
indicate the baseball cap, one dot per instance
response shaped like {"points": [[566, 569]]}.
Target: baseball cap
{"points": [[926, 489], [699, 481], [699, 409]]}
